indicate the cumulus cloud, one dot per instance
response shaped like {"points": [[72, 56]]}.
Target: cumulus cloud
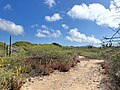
{"points": [[10, 27], [39, 26], [98, 13], [65, 26], [7, 7], [44, 31], [50, 3], [115, 5], [44, 27], [53, 18], [76, 36], [34, 25]]}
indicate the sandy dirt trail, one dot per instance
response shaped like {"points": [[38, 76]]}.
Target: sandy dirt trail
{"points": [[87, 75]]}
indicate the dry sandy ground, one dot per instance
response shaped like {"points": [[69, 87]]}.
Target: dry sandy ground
{"points": [[87, 75]]}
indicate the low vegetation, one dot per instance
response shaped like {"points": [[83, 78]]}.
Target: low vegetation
{"points": [[112, 65], [29, 60]]}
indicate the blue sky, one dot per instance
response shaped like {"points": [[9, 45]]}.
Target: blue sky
{"points": [[68, 22]]}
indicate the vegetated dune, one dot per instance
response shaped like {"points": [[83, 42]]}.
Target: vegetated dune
{"points": [[87, 75]]}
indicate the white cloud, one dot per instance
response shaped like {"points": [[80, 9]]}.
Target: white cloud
{"points": [[53, 18], [65, 26], [56, 33], [44, 31], [34, 25], [38, 26], [98, 13], [76, 36], [115, 4], [44, 27], [10, 27], [7, 7], [50, 3]]}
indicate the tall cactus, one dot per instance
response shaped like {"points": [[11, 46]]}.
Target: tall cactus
{"points": [[7, 50], [10, 47], [4, 46]]}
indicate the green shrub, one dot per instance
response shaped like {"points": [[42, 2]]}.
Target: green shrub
{"points": [[32, 59], [11, 70], [112, 60]]}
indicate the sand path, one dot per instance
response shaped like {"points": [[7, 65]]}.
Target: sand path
{"points": [[87, 75]]}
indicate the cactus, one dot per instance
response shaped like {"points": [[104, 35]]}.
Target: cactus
{"points": [[10, 47], [4, 46], [7, 50]]}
